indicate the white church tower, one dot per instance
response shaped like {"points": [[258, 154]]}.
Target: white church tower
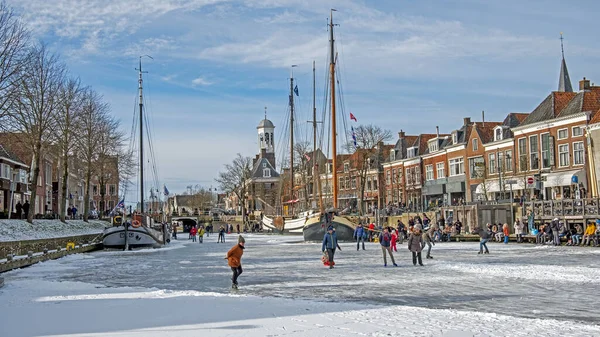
{"points": [[266, 139]]}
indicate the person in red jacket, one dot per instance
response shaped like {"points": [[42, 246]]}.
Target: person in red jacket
{"points": [[234, 260], [193, 232], [371, 231], [394, 239]]}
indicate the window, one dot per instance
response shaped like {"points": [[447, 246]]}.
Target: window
{"points": [[454, 138], [387, 179], [563, 155], [533, 153], [563, 133], [508, 160], [578, 153], [440, 170], [577, 131], [433, 145], [266, 173], [95, 190], [347, 183], [492, 163], [23, 176], [547, 151], [375, 186], [475, 144], [392, 155], [48, 175], [457, 167], [346, 167], [429, 172], [394, 177], [523, 154], [369, 183], [112, 189], [411, 152], [476, 167], [498, 134], [354, 183], [5, 173]]}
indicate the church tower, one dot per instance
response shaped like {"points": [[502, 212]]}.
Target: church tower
{"points": [[564, 81], [266, 139]]}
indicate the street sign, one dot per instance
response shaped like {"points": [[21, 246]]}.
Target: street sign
{"points": [[511, 182], [530, 180]]}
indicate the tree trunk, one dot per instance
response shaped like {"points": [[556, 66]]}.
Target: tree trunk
{"points": [[34, 179], [86, 206], [62, 204]]}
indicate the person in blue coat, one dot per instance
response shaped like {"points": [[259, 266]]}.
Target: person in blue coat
{"points": [[359, 236], [330, 243]]}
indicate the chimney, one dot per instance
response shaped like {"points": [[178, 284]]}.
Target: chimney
{"points": [[584, 85], [437, 131], [482, 118], [401, 134], [466, 121]]}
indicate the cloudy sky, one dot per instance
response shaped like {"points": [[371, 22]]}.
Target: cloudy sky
{"points": [[407, 65]]}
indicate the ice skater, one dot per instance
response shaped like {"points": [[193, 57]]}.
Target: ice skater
{"points": [[415, 244], [506, 233], [394, 240], [201, 234], [484, 235], [234, 260], [384, 241], [330, 243], [193, 232], [359, 235], [221, 237], [428, 240]]}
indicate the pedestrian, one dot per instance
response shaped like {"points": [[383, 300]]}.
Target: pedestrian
{"points": [[401, 231], [519, 230], [384, 240], [371, 231], [238, 228], [174, 227], [428, 240], [234, 260], [330, 244], [70, 211], [506, 233], [221, 237], [19, 209], [359, 235], [555, 234], [73, 211], [26, 209], [201, 234], [193, 232], [415, 244], [484, 235], [394, 240]]}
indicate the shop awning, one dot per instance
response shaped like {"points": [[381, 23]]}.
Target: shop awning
{"points": [[492, 186], [566, 178]]}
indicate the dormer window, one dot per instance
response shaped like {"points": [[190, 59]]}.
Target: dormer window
{"points": [[498, 134], [392, 155], [454, 138], [346, 167], [411, 152], [433, 145], [266, 173]]}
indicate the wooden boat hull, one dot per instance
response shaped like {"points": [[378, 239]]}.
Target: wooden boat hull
{"points": [[314, 230]]}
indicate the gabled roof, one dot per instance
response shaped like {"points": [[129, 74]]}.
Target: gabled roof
{"points": [[261, 164], [585, 101], [486, 131], [7, 154], [549, 108]]}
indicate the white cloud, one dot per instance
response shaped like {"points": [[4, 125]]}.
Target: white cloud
{"points": [[200, 81]]}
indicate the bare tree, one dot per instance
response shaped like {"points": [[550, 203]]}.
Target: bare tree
{"points": [[368, 154], [34, 112], [234, 178], [14, 40], [301, 151], [94, 115], [110, 147], [68, 117]]}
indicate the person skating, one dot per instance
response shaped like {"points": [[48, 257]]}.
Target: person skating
{"points": [[193, 232], [201, 234], [384, 240], [415, 244], [26, 209], [555, 234], [506, 233], [234, 260], [221, 237], [393, 246], [19, 209], [359, 233], [428, 240], [330, 243], [484, 235]]}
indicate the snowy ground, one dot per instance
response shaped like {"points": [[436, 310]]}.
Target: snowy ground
{"points": [[15, 230], [183, 290]]}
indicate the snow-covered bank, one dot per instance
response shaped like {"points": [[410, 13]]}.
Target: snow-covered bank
{"points": [[78, 309], [15, 230]]}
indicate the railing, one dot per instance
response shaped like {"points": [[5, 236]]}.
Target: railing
{"points": [[564, 208]]}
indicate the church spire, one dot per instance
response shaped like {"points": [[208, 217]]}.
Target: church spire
{"points": [[564, 81]]}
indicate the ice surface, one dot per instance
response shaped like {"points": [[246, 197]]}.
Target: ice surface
{"points": [[14, 230], [517, 290]]}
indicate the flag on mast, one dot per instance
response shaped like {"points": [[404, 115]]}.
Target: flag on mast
{"points": [[296, 91], [352, 117], [165, 190], [307, 157], [121, 204]]}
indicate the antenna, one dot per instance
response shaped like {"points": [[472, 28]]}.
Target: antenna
{"points": [[561, 45]]}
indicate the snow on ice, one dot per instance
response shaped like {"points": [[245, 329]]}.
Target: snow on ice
{"points": [[15, 230], [519, 290]]}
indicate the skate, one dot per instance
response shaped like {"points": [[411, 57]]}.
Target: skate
{"points": [[395, 265], [428, 257], [385, 264], [234, 286], [330, 267], [420, 264], [480, 252], [487, 252]]}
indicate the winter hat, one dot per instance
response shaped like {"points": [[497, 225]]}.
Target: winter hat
{"points": [[330, 228], [555, 219], [241, 239]]}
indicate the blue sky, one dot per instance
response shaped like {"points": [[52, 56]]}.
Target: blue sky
{"points": [[407, 65]]}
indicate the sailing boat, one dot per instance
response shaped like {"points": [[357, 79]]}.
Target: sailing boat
{"points": [[141, 231]]}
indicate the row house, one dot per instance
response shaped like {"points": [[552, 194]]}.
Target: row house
{"points": [[13, 180]]}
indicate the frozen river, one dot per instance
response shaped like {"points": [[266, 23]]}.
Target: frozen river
{"points": [[516, 280]]}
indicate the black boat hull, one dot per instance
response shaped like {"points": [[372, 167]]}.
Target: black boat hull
{"points": [[316, 231]]}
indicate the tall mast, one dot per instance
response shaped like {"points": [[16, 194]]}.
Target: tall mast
{"points": [[141, 141], [333, 123], [316, 176], [292, 144]]}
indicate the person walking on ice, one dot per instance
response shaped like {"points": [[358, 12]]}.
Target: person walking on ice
{"points": [[385, 241], [234, 260], [428, 240], [484, 235], [330, 243], [415, 244], [359, 233]]}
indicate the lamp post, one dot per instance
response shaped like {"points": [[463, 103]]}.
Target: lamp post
{"points": [[12, 192]]}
